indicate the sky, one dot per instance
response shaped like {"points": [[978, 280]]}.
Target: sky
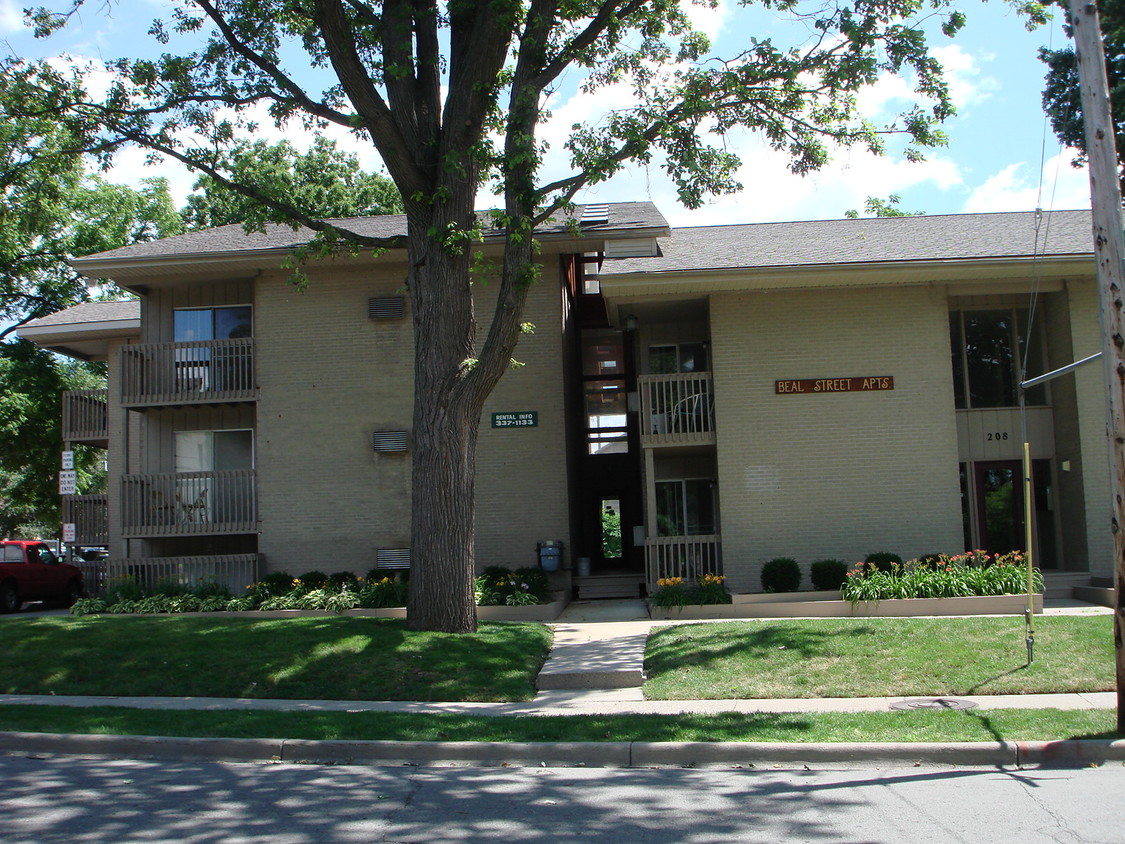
{"points": [[1001, 156]]}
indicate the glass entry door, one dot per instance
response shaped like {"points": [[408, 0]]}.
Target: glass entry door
{"points": [[1000, 509]]}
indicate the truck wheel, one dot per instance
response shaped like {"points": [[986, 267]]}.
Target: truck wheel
{"points": [[73, 593], [9, 597]]}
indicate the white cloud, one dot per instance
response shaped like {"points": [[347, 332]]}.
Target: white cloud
{"points": [[11, 17], [1016, 188]]}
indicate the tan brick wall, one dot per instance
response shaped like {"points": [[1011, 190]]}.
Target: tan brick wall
{"points": [[330, 376], [833, 475], [1089, 385], [521, 472]]}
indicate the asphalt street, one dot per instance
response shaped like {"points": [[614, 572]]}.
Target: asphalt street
{"points": [[49, 799]]}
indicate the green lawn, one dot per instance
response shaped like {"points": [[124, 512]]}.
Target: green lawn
{"points": [[788, 658], [994, 725], [320, 658]]}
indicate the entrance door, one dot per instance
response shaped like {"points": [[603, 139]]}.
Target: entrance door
{"points": [[1000, 510]]}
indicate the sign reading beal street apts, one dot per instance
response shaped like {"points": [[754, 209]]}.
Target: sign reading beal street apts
{"points": [[516, 419], [68, 482], [794, 386]]}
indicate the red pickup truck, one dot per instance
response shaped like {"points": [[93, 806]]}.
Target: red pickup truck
{"points": [[30, 571]]}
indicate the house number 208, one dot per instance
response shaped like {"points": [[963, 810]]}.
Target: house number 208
{"points": [[994, 436]]}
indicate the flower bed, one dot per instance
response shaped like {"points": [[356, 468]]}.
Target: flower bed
{"points": [[972, 574]]}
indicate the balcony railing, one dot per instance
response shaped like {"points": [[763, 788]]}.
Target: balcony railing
{"points": [[85, 417], [676, 409], [90, 516], [689, 557], [189, 504], [205, 371], [234, 571]]}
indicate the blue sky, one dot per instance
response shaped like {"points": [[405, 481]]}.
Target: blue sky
{"points": [[1001, 156]]}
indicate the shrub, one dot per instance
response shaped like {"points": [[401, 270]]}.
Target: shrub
{"points": [[881, 561], [377, 574], [124, 588], [974, 573], [537, 581], [276, 583], [313, 580], [381, 592], [828, 574], [340, 579], [210, 588], [669, 592], [781, 574], [497, 586], [711, 589]]}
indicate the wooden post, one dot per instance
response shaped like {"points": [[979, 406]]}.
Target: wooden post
{"points": [[1105, 192]]}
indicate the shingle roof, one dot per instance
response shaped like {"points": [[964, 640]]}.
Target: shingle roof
{"points": [[623, 217], [86, 313], [867, 240]]}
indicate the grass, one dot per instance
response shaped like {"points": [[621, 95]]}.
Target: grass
{"points": [[908, 726], [335, 658], [789, 658]]}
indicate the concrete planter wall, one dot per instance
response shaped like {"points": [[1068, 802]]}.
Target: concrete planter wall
{"points": [[808, 605], [537, 612]]}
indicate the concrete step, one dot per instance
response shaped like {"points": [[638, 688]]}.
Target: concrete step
{"points": [[1061, 584], [583, 661], [609, 586]]}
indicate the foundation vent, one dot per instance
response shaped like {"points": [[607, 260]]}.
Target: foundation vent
{"points": [[386, 307], [389, 442], [392, 558]]}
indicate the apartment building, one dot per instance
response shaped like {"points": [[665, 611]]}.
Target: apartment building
{"points": [[692, 399]]}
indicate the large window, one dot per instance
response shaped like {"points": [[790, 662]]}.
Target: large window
{"points": [[203, 496], [988, 353], [227, 323], [605, 399], [685, 507], [204, 366], [671, 358]]}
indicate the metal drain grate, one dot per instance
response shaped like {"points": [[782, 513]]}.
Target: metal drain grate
{"points": [[934, 703]]}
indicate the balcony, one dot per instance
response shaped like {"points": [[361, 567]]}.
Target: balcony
{"points": [[85, 417], [200, 372], [90, 516], [676, 409], [234, 571], [689, 557], [189, 504]]}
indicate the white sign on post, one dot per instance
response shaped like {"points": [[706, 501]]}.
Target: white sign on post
{"points": [[68, 482], [68, 460], [69, 532]]}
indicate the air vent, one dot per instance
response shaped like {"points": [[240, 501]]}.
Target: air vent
{"points": [[386, 442], [385, 307], [392, 558], [592, 214]]}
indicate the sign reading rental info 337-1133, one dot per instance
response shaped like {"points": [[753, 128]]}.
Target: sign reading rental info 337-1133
{"points": [[870, 384]]}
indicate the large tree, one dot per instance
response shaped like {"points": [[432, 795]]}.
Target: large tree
{"points": [[1062, 99], [452, 96]]}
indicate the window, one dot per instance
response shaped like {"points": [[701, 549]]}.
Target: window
{"points": [[677, 357], [605, 401], [203, 365], [685, 507], [988, 349], [204, 491]]}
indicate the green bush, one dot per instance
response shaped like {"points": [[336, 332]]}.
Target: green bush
{"points": [[828, 574], [313, 580], [340, 579], [276, 583], [124, 588], [500, 586], [881, 561], [383, 591], [781, 574], [966, 575]]}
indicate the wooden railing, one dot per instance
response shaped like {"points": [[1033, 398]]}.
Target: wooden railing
{"points": [[84, 416], [234, 571], [185, 373], [90, 516], [189, 504], [689, 557], [676, 409]]}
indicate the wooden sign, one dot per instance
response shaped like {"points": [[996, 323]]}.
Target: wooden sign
{"points": [[869, 384]]}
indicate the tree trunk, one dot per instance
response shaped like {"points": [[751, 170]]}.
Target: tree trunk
{"points": [[446, 416]]}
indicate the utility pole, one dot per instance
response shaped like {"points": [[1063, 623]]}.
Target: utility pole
{"points": [[1105, 192]]}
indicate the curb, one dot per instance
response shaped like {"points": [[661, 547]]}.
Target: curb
{"points": [[1068, 753]]}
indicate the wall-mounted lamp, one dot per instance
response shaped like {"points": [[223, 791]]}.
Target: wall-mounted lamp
{"points": [[630, 323]]}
